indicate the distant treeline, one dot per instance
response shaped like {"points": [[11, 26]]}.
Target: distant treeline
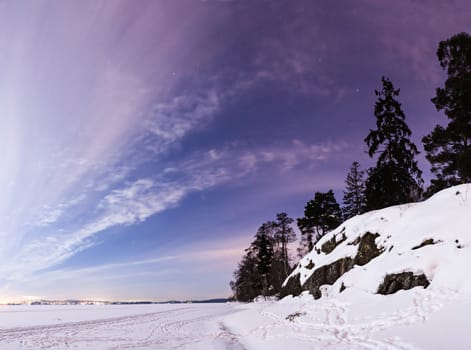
{"points": [[395, 178], [141, 302]]}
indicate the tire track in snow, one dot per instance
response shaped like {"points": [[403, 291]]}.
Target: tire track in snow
{"points": [[163, 330], [226, 340]]}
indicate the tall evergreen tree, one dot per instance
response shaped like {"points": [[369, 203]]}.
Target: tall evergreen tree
{"points": [[308, 234], [246, 284], [396, 178], [265, 265], [449, 148], [321, 215], [263, 246], [354, 195], [284, 234]]}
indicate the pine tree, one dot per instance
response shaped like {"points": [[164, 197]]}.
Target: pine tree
{"points": [[246, 285], [321, 215], [307, 235], [354, 195], [284, 234], [263, 247], [262, 270], [396, 177], [449, 148]]}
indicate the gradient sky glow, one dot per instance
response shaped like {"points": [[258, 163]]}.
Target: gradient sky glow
{"points": [[143, 142]]}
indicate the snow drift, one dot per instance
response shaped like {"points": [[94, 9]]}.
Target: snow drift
{"points": [[419, 244]]}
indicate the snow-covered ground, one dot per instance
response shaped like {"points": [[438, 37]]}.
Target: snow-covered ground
{"points": [[113, 327], [414, 319]]}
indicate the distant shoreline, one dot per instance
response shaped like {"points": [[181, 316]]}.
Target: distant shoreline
{"points": [[95, 302]]}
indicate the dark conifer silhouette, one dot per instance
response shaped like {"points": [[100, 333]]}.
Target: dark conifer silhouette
{"points": [[246, 284], [321, 215], [449, 148], [265, 264], [284, 234], [263, 246], [396, 177], [354, 195]]}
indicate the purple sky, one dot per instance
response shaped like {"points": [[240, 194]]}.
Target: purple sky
{"points": [[143, 142]]}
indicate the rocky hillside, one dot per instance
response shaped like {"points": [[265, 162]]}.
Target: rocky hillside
{"points": [[423, 244]]}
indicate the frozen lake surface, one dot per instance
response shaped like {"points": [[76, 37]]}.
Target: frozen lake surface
{"points": [[416, 319], [115, 326]]}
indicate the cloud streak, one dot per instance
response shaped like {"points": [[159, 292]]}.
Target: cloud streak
{"points": [[134, 202], [81, 84], [172, 120]]}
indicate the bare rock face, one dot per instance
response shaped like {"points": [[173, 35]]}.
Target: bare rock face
{"points": [[367, 249], [292, 287], [329, 246], [405, 280], [328, 274]]}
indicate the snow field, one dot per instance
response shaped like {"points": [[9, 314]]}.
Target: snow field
{"points": [[355, 320]]}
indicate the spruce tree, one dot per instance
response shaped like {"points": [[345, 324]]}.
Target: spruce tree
{"points": [[251, 278], [396, 178], [284, 234], [306, 227], [449, 148], [321, 215], [354, 195], [263, 246], [246, 284], [265, 265]]}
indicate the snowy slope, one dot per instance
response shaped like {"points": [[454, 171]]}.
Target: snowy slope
{"points": [[444, 219]]}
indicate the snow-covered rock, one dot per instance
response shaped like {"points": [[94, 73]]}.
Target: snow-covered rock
{"points": [[419, 244]]}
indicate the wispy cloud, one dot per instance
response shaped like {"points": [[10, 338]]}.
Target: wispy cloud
{"points": [[293, 66], [124, 206], [74, 105], [227, 253], [136, 201], [214, 256], [170, 121], [419, 18]]}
